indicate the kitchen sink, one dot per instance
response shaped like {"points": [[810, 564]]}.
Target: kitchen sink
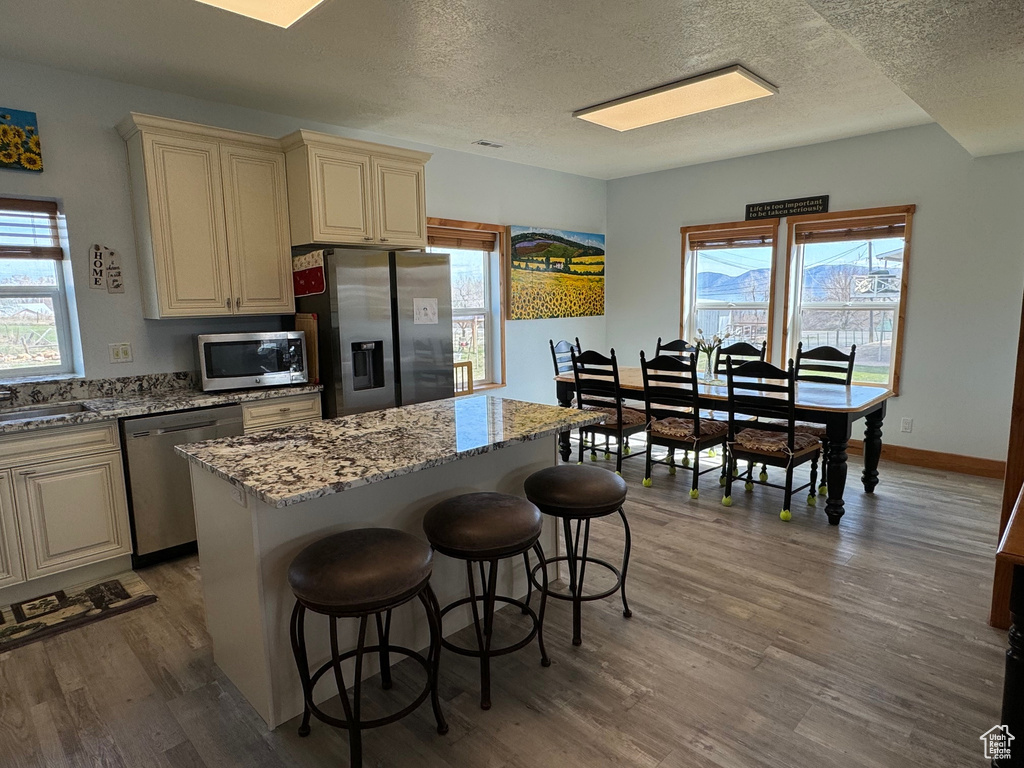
{"points": [[40, 411]]}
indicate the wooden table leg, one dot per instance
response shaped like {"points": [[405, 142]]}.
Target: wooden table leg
{"points": [[564, 391], [838, 430], [1013, 681], [872, 448]]}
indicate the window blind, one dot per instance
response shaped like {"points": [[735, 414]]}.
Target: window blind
{"points": [[28, 229], [841, 230], [745, 237], [465, 239]]}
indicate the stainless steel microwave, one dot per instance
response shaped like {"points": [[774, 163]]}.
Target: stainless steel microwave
{"points": [[248, 360]]}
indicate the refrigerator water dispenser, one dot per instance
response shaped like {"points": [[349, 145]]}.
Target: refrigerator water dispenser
{"points": [[367, 365]]}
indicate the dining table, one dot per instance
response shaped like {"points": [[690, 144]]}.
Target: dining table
{"points": [[834, 406]]}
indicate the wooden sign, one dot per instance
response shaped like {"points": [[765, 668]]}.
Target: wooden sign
{"points": [[794, 207]]}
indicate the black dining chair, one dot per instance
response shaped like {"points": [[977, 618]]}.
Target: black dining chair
{"points": [[673, 415], [597, 389], [768, 392], [740, 352], [825, 365], [680, 347], [560, 355]]}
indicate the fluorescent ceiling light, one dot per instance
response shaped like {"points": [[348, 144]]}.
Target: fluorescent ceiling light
{"points": [[281, 13], [686, 97]]}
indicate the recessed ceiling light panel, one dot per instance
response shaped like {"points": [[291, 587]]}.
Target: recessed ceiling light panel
{"points": [[280, 13], [686, 97]]}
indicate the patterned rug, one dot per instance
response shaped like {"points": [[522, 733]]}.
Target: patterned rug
{"points": [[63, 610]]}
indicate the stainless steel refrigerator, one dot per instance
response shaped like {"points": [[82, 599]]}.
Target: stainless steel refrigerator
{"points": [[385, 328]]}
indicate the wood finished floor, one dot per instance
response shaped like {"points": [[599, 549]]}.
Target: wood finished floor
{"points": [[753, 643]]}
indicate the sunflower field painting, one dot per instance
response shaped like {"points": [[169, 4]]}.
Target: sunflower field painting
{"points": [[555, 273], [19, 141]]}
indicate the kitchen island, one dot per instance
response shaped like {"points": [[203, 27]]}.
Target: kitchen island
{"points": [[261, 498]]}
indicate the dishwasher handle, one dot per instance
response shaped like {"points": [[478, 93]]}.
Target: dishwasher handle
{"points": [[184, 427]]}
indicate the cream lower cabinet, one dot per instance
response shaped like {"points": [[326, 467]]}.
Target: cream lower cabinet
{"points": [[12, 570], [211, 219], [71, 512], [352, 192]]}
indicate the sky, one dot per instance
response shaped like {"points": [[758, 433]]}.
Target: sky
{"points": [[735, 262]]}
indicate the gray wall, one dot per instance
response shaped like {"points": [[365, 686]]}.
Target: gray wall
{"points": [[966, 266], [86, 170]]}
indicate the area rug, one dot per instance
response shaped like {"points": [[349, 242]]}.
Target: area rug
{"points": [[52, 613]]}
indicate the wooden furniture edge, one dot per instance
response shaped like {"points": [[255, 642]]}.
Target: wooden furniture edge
{"points": [[1011, 546]]}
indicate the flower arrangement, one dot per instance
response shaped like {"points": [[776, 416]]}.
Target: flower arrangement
{"points": [[19, 141], [708, 347]]}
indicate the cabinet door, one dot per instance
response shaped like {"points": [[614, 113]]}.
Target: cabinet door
{"points": [[342, 210], [401, 206], [71, 512], [186, 198], [11, 569], [259, 251]]}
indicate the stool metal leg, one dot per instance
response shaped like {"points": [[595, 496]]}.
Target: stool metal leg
{"points": [[351, 707], [433, 609], [383, 640], [529, 584], [575, 588], [625, 563], [539, 551], [298, 637]]}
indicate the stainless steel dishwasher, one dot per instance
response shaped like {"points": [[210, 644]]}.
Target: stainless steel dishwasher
{"points": [[159, 488]]}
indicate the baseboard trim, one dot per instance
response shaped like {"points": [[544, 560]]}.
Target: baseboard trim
{"points": [[948, 462]]}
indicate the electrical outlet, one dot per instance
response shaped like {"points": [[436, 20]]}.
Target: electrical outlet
{"points": [[906, 424], [120, 352]]}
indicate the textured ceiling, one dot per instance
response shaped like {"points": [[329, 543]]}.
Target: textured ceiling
{"points": [[448, 72], [962, 61]]}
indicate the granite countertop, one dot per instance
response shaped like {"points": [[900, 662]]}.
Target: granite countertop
{"points": [[290, 465], [125, 405]]}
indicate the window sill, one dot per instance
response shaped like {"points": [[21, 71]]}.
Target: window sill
{"points": [[13, 380], [485, 387]]}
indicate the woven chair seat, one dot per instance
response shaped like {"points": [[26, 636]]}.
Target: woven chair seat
{"points": [[775, 443], [630, 417], [682, 429]]}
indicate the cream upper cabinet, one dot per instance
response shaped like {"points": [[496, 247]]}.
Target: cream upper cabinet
{"points": [[11, 569], [352, 192], [211, 224], [71, 512], [256, 208], [401, 202]]}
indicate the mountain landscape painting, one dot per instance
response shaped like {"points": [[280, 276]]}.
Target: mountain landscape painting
{"points": [[555, 273]]}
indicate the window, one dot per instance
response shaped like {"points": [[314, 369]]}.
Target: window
{"points": [[34, 335], [846, 283], [728, 284], [477, 314]]}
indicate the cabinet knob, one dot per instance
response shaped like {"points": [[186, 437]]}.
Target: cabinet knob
{"points": [[367, 238], [238, 303], [227, 302], [383, 239]]}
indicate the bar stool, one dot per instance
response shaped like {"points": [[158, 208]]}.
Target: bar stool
{"points": [[577, 494], [484, 528], [358, 574]]}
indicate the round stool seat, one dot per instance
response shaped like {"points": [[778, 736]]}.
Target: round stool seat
{"points": [[482, 526], [360, 571], [576, 491]]}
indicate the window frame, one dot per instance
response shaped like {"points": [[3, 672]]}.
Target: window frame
{"points": [[862, 216], [688, 277], [58, 293], [494, 294]]}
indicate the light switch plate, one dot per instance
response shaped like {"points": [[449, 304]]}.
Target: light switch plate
{"points": [[120, 352]]}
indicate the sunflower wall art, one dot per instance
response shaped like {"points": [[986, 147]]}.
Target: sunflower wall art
{"points": [[555, 273], [19, 141]]}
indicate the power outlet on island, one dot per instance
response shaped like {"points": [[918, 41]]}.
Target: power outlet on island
{"points": [[906, 424], [120, 352]]}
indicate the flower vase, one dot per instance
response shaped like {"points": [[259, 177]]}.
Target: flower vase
{"points": [[709, 367]]}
